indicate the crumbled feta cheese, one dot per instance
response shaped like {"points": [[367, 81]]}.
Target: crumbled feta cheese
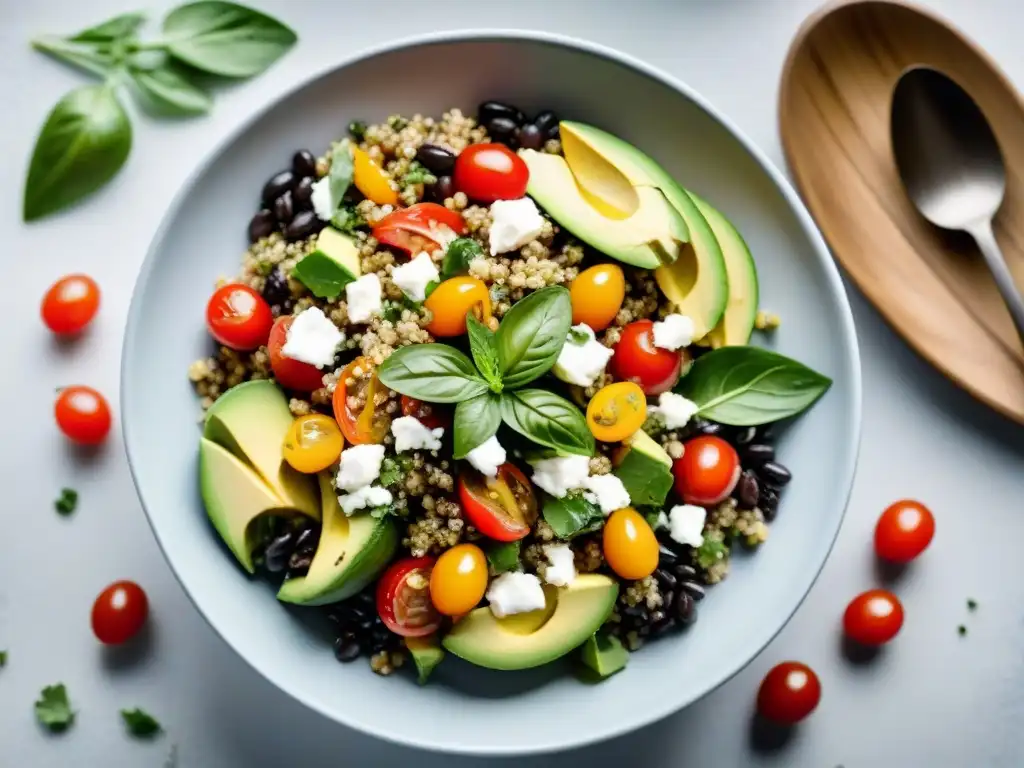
{"points": [[674, 332], [579, 362], [686, 524], [312, 338], [363, 297], [675, 410], [360, 466], [411, 434], [515, 592], [323, 204], [607, 491], [487, 457], [662, 521], [361, 498], [414, 277], [515, 223], [561, 474], [561, 571]]}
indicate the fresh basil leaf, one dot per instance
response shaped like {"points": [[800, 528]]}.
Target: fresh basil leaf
{"points": [[503, 556], [484, 347], [225, 38], [91, 59], [140, 723], [342, 171], [647, 480], [476, 421], [457, 256], [117, 28], [82, 145], [747, 386], [547, 419], [532, 334], [434, 373], [166, 90], [571, 515], [53, 709]]}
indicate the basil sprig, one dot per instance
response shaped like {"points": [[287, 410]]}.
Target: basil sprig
{"points": [[488, 387], [571, 515], [748, 386]]}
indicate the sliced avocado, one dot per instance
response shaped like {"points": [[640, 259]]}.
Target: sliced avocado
{"points": [[604, 654], [647, 445], [426, 655], [351, 553], [736, 325], [645, 470], [579, 610], [251, 421], [333, 265], [696, 282], [649, 233]]}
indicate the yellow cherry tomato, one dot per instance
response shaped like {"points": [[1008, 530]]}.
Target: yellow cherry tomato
{"points": [[313, 443], [458, 580], [617, 411], [371, 180], [452, 300], [597, 295], [630, 547]]}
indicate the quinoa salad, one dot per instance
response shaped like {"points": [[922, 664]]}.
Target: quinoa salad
{"points": [[483, 386]]}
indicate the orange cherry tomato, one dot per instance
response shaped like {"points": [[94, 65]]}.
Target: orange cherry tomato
{"points": [[503, 508], [873, 617], [630, 547], [489, 172], [119, 612], [707, 472], [313, 443], [904, 531], [597, 295], [452, 300], [238, 317], [290, 374], [70, 304], [83, 415], [371, 423], [403, 598], [788, 693], [370, 179], [459, 580], [430, 415], [419, 227], [616, 411]]}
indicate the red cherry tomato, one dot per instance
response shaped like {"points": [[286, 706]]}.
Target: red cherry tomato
{"points": [[788, 693], [419, 227], [503, 508], [70, 304], [238, 317], [403, 598], [873, 617], [119, 612], [904, 531], [290, 374], [707, 472], [83, 415], [489, 172], [636, 359], [372, 423], [429, 414]]}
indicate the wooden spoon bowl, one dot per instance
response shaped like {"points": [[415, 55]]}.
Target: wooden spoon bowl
{"points": [[932, 286]]}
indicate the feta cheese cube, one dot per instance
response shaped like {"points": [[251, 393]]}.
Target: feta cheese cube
{"points": [[515, 592], [607, 491], [360, 466], [561, 474], [581, 362], [686, 524], [361, 498], [674, 332], [414, 276], [312, 338], [561, 570], [363, 297], [675, 410], [324, 205], [487, 457], [515, 223], [411, 434]]}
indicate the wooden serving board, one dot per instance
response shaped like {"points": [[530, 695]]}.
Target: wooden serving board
{"points": [[932, 286]]}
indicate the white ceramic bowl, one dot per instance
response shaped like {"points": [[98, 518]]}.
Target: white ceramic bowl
{"points": [[464, 708]]}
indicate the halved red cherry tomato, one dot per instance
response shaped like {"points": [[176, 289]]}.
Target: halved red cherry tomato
{"points": [[290, 374], [119, 612], [636, 359], [904, 531], [707, 472], [489, 172], [403, 598], [83, 415], [70, 304], [372, 423], [873, 617], [429, 414], [503, 508], [419, 227], [238, 317], [788, 693]]}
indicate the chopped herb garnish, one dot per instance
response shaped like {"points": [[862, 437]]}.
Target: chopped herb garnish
{"points": [[140, 723], [972, 604], [53, 710], [397, 122], [458, 255], [578, 336], [357, 129], [264, 267], [961, 630], [3, 658], [347, 220], [384, 510], [67, 502], [711, 551], [417, 174]]}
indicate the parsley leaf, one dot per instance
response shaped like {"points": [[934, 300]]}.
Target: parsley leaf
{"points": [[140, 723], [457, 256], [503, 556], [346, 219], [392, 470], [417, 174], [53, 709], [379, 513], [67, 502], [711, 551], [357, 129]]}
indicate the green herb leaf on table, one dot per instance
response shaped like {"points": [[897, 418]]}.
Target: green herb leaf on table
{"points": [[458, 255], [83, 144], [484, 346], [646, 480], [91, 59], [166, 90], [3, 658], [434, 373], [225, 39], [53, 709], [503, 555], [571, 515], [342, 171], [140, 723], [476, 421], [532, 334], [118, 28], [748, 386], [547, 419], [67, 502]]}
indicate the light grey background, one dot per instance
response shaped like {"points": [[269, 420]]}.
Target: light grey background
{"points": [[932, 699]]}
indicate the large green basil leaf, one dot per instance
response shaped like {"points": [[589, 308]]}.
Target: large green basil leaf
{"points": [[476, 421], [117, 28], [647, 480], [90, 58], [747, 386], [532, 334], [166, 90], [571, 515], [547, 419], [83, 144], [483, 345], [225, 38], [434, 373]]}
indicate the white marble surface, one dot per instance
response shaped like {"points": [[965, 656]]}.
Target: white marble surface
{"points": [[932, 699]]}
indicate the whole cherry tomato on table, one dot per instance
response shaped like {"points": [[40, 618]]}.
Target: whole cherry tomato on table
{"points": [[489, 172], [873, 617], [83, 415], [429, 415], [70, 304], [290, 374], [636, 359], [788, 693], [459, 579], [238, 317], [420, 227], [403, 598], [904, 531], [503, 508], [119, 612], [707, 472], [371, 423]]}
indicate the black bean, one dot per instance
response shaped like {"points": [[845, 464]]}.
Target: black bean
{"points": [[757, 454], [643, 630], [435, 159], [745, 435], [633, 611], [667, 556], [530, 137], [546, 121], [346, 650], [492, 109], [775, 474], [665, 579], [276, 290], [302, 226], [442, 189], [668, 598], [276, 185], [278, 552], [684, 571], [367, 598], [768, 502], [283, 208], [709, 428], [747, 490], [302, 195], [694, 590], [307, 539], [502, 129], [685, 608], [360, 612], [366, 624], [303, 163], [261, 225], [663, 626]]}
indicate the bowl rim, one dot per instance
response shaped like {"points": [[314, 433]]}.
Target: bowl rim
{"points": [[630, 721]]}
